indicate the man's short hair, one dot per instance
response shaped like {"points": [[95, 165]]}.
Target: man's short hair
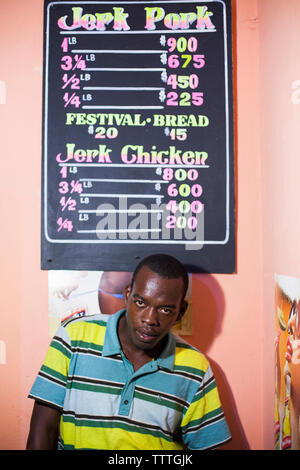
{"points": [[165, 266]]}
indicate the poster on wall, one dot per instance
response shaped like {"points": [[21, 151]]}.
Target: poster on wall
{"points": [[287, 362], [138, 150], [74, 294]]}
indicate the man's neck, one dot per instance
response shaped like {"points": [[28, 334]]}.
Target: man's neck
{"points": [[138, 357]]}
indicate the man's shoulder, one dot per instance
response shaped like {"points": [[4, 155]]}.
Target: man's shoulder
{"points": [[189, 356], [98, 318], [89, 329]]}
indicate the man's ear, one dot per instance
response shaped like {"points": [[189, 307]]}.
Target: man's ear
{"points": [[126, 293], [183, 307]]}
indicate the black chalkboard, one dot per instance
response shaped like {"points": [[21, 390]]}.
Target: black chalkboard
{"points": [[138, 153]]}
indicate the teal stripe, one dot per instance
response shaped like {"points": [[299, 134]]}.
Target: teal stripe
{"points": [[159, 401], [210, 386], [94, 388], [209, 437], [206, 417], [87, 345], [191, 370], [60, 347], [53, 373], [97, 322], [204, 390]]}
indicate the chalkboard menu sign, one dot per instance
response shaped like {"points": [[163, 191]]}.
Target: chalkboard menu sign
{"points": [[138, 151]]}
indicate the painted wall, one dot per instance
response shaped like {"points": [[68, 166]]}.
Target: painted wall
{"points": [[279, 124], [232, 313], [24, 326]]}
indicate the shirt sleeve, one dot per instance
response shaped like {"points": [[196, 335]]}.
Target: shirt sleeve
{"points": [[50, 384], [204, 425]]}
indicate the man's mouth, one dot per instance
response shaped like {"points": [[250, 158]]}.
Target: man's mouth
{"points": [[146, 335]]}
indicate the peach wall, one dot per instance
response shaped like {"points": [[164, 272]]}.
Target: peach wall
{"points": [[24, 326], [280, 124], [229, 314]]}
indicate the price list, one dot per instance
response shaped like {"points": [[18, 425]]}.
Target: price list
{"points": [[137, 134]]}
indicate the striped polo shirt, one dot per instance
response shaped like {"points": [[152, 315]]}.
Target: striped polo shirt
{"points": [[167, 404]]}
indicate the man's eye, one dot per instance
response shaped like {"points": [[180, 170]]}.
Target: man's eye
{"points": [[166, 310], [139, 303]]}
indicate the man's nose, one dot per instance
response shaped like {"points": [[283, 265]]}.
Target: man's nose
{"points": [[151, 317]]}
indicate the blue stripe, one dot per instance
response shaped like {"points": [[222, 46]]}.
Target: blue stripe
{"points": [[209, 436], [87, 365], [46, 390]]}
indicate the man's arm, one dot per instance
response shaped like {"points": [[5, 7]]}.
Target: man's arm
{"points": [[44, 428]]}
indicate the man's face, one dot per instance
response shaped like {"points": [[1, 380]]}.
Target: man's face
{"points": [[153, 305]]}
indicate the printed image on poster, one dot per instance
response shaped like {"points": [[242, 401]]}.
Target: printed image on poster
{"points": [[287, 363]]}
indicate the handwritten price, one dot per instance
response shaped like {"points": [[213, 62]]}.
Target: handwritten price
{"points": [[175, 61], [182, 44]]}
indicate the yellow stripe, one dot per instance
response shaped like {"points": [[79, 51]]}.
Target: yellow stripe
{"points": [[57, 360], [112, 439], [90, 331], [190, 358], [208, 403]]}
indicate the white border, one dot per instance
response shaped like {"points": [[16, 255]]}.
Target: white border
{"points": [[45, 143]]}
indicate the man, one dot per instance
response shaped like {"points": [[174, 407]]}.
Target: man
{"points": [[124, 382]]}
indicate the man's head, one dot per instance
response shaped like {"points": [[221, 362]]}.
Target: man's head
{"points": [[154, 301], [165, 266]]}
